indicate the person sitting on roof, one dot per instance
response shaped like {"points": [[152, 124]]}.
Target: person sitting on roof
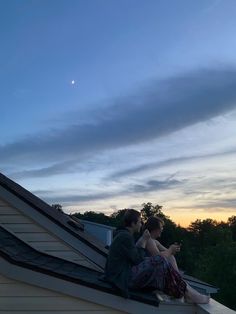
{"points": [[128, 268], [155, 227]]}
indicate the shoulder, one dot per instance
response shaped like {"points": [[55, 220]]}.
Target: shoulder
{"points": [[150, 241], [124, 236]]}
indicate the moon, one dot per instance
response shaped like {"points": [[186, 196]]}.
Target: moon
{"points": [[72, 82]]}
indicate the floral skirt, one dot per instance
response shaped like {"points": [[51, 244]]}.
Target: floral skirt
{"points": [[156, 272]]}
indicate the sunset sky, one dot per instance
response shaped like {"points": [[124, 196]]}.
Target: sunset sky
{"points": [[108, 104]]}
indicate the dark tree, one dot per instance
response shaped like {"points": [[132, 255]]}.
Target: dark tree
{"points": [[149, 210], [58, 207], [117, 218], [94, 217], [232, 225], [217, 266]]}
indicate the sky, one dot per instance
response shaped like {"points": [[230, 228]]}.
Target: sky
{"points": [[108, 104]]}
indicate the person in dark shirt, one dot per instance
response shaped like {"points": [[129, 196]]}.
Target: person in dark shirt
{"points": [[123, 253]]}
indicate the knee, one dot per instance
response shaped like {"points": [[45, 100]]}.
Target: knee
{"points": [[171, 258]]}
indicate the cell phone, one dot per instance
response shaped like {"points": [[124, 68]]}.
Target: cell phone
{"points": [[179, 242]]}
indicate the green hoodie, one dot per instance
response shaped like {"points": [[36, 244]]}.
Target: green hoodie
{"points": [[123, 254]]}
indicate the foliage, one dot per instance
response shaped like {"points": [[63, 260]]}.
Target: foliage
{"points": [[94, 217], [58, 207], [217, 266], [149, 210], [232, 225]]}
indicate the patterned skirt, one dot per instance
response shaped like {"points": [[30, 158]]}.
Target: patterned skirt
{"points": [[156, 272]]}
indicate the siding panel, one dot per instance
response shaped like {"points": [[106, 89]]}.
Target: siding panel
{"points": [[28, 227], [18, 297], [46, 303], [3, 203], [7, 210], [4, 280], [16, 219], [23, 290]]}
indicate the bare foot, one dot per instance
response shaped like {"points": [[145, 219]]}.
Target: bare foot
{"points": [[158, 295], [193, 296], [201, 299]]}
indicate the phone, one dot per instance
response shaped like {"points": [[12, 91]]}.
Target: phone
{"points": [[179, 242]]}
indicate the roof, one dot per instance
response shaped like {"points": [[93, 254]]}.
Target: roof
{"points": [[17, 252], [60, 218], [84, 221], [197, 281]]}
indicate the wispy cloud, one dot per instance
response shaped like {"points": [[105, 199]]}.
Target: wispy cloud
{"points": [[160, 109], [155, 185], [55, 169], [70, 198], [227, 206], [167, 162]]}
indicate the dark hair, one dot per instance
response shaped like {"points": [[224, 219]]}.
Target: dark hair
{"points": [[153, 223], [130, 216]]}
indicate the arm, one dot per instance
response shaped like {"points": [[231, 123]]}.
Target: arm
{"points": [[154, 250], [172, 250], [160, 246], [142, 241]]}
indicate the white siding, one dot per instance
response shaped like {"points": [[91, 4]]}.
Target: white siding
{"points": [[17, 297], [39, 238]]}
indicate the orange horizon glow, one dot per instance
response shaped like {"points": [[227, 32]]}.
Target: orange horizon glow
{"points": [[185, 219]]}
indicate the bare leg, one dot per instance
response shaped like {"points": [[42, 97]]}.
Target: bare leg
{"points": [[173, 262], [192, 296]]}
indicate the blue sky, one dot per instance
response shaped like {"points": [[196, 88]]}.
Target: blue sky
{"points": [[151, 115]]}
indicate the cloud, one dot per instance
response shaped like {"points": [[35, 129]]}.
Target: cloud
{"points": [[72, 165], [70, 198], [79, 198], [154, 185], [167, 162], [159, 109], [58, 168], [223, 206]]}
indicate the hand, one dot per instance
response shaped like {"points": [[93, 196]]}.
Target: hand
{"points": [[174, 248], [146, 235]]}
